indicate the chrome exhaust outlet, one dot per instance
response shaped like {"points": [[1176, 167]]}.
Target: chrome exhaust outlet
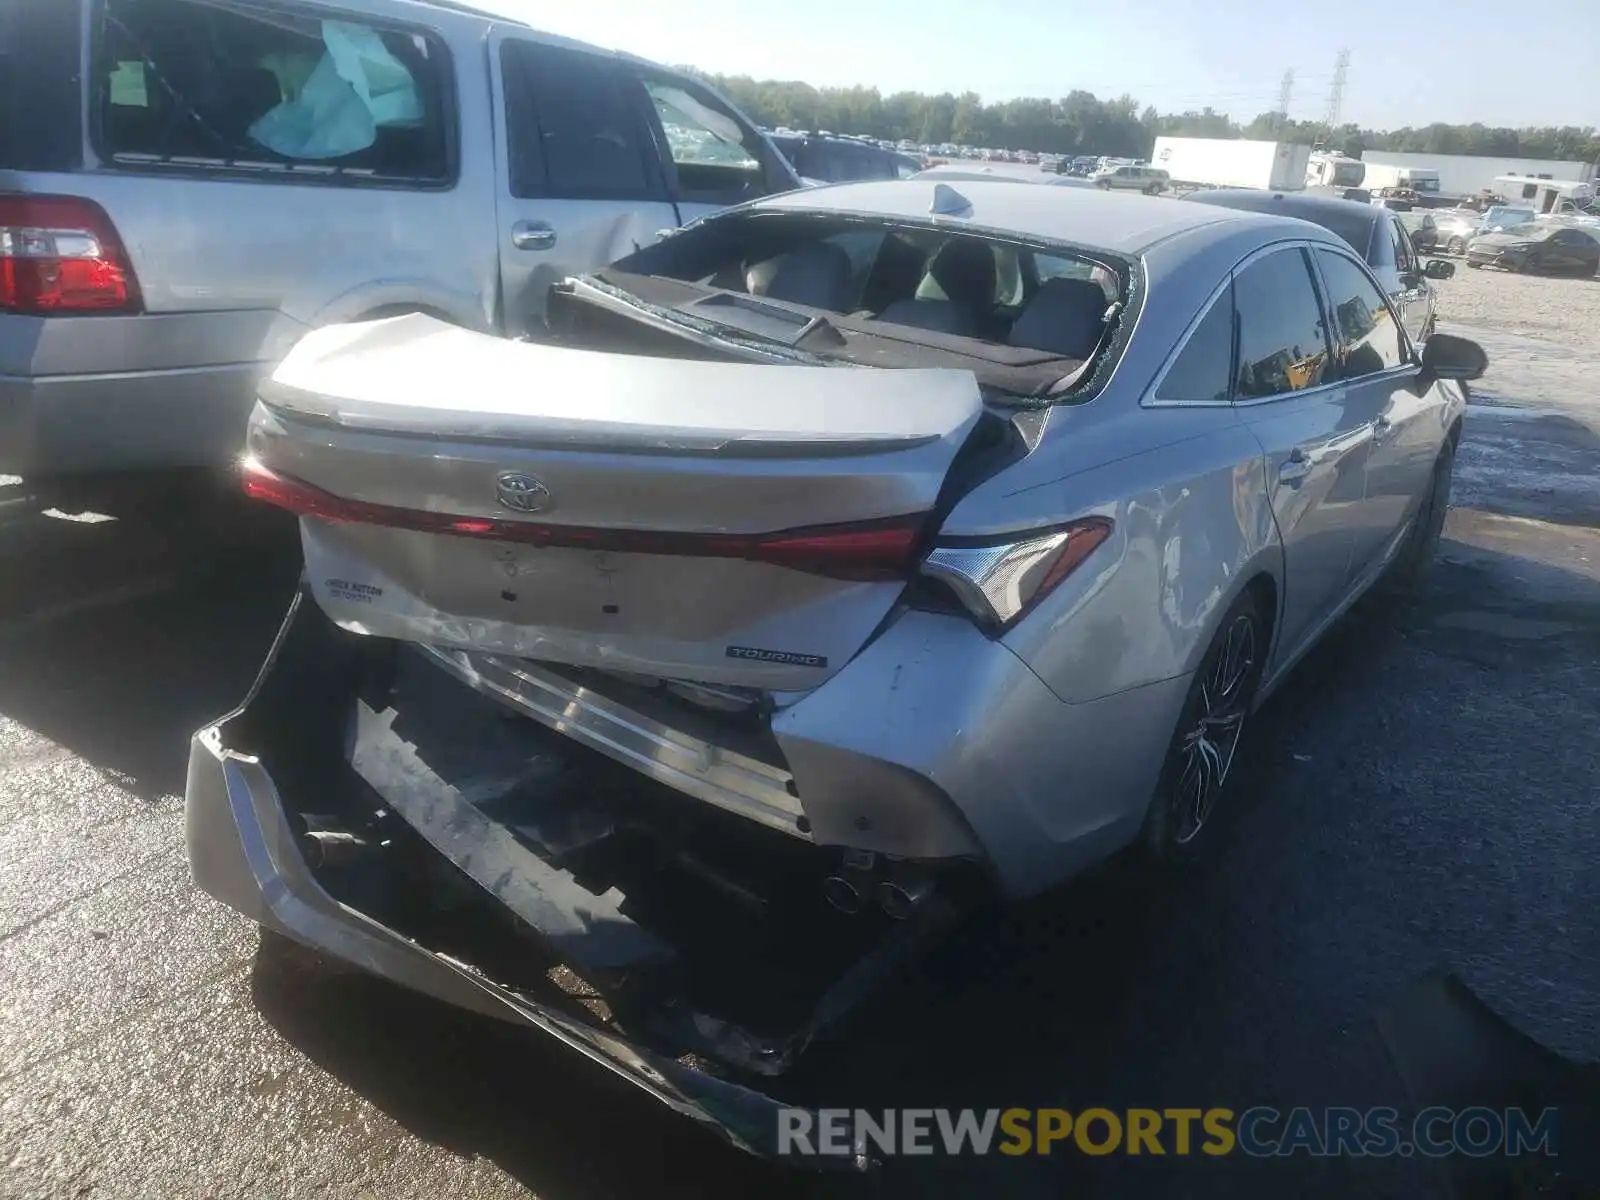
{"points": [[901, 896], [847, 888], [333, 848], [843, 893]]}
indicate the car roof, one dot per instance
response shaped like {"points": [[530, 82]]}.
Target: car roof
{"points": [[1089, 217], [505, 12], [1291, 204], [1331, 213]]}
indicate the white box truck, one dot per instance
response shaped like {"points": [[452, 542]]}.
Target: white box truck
{"points": [[1422, 180], [1233, 162]]}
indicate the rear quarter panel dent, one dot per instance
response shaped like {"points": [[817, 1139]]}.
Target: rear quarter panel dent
{"points": [[1192, 528]]}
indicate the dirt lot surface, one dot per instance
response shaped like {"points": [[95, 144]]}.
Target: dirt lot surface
{"points": [[1559, 310]]}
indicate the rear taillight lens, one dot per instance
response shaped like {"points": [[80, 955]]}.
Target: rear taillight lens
{"points": [[60, 255], [866, 551], [1000, 581]]}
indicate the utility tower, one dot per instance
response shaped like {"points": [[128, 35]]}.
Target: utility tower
{"points": [[1285, 91], [1341, 72]]}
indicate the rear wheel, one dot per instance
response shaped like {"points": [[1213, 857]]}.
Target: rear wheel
{"points": [[1456, 245], [1206, 742]]}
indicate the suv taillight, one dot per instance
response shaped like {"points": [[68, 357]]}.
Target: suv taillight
{"points": [[60, 255]]}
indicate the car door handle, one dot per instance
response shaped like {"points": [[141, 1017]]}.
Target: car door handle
{"points": [[1295, 468], [532, 235], [1381, 428]]}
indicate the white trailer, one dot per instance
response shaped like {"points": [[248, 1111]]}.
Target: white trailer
{"points": [[1555, 196], [1233, 162], [1467, 174], [1422, 180]]}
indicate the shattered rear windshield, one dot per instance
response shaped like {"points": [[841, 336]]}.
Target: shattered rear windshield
{"points": [[189, 83], [988, 297]]}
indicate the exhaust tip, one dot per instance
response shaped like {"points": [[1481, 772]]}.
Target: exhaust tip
{"points": [[842, 894], [900, 899]]}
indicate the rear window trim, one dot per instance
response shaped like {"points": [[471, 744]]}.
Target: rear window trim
{"points": [[267, 171], [1122, 267], [1072, 388]]}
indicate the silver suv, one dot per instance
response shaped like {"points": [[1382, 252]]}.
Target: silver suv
{"points": [[187, 186], [1149, 180]]}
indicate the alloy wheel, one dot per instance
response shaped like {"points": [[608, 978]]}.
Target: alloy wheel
{"points": [[1216, 723]]}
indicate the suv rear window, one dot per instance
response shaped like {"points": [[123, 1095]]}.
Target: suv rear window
{"points": [[41, 114], [190, 84]]}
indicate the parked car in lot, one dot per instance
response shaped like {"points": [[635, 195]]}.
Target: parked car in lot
{"points": [[1456, 227], [1149, 180], [823, 159], [228, 174], [1501, 216], [1424, 230], [1538, 248], [1374, 232], [844, 560]]}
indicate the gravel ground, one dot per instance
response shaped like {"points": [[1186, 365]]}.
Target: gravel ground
{"points": [[1559, 310]]}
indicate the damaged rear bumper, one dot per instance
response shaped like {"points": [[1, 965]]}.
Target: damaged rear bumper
{"points": [[243, 852], [253, 777]]}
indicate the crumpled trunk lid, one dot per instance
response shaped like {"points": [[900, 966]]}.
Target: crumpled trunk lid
{"points": [[745, 524]]}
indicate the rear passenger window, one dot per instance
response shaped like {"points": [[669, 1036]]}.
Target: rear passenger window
{"points": [[179, 83], [572, 132], [1204, 367], [1282, 345], [1367, 337], [716, 157]]}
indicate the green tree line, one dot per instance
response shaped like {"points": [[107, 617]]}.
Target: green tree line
{"points": [[1082, 123]]}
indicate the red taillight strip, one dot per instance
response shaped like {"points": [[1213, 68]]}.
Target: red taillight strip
{"points": [[867, 550]]}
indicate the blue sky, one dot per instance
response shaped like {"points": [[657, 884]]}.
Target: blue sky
{"points": [[1411, 63]]}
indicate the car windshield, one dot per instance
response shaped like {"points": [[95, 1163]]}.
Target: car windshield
{"points": [[1022, 316]]}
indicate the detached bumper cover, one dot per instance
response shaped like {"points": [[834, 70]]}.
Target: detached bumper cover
{"points": [[243, 851]]}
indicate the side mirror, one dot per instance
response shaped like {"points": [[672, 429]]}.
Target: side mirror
{"points": [[1445, 356], [1437, 268]]}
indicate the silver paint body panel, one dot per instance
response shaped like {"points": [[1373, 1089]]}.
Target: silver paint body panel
{"points": [[1035, 751]]}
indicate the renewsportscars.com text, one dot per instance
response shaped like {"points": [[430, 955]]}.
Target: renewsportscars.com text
{"points": [[1259, 1132]]}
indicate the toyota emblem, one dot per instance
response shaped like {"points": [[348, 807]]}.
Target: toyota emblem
{"points": [[521, 493]]}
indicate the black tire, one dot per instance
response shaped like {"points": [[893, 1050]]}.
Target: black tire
{"points": [[1411, 562], [1474, 266], [1104, 185], [1205, 744], [1456, 246]]}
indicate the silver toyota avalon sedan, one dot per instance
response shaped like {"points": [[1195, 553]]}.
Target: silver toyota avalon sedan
{"points": [[879, 546]]}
